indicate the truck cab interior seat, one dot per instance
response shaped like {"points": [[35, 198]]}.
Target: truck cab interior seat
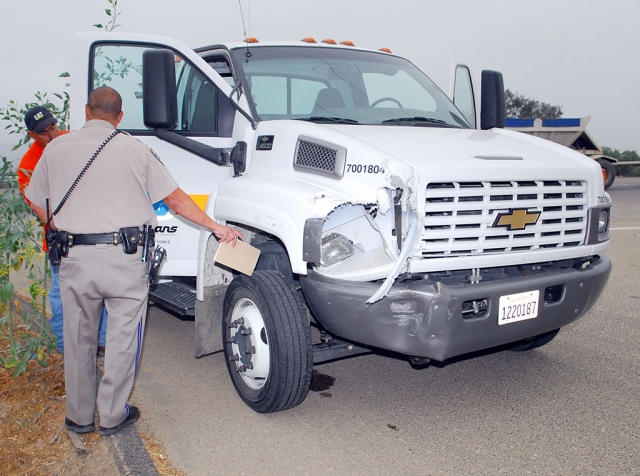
{"points": [[203, 119], [328, 98]]}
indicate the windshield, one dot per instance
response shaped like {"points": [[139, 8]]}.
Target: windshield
{"points": [[335, 85]]}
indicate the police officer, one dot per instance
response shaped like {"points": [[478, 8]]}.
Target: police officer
{"points": [[42, 127], [116, 191]]}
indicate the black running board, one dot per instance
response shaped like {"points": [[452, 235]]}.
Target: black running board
{"points": [[177, 297]]}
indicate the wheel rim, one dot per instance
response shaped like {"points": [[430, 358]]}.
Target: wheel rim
{"points": [[249, 344]]}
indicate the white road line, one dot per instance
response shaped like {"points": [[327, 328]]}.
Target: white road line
{"points": [[625, 228]]}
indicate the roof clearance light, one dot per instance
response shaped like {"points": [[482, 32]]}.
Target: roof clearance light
{"points": [[386, 50], [330, 41], [251, 39], [309, 40], [347, 43]]}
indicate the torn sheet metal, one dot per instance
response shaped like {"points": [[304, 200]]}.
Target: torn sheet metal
{"points": [[407, 249]]}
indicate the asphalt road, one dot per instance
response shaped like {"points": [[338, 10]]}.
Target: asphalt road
{"points": [[569, 408]]}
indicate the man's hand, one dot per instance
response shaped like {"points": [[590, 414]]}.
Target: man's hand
{"points": [[224, 234], [182, 203]]}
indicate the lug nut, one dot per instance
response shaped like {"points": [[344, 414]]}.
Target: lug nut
{"points": [[235, 358], [245, 331]]}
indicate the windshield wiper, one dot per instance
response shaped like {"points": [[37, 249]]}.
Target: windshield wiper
{"points": [[421, 121], [330, 120]]}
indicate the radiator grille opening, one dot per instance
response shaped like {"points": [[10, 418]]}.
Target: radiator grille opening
{"points": [[460, 217]]}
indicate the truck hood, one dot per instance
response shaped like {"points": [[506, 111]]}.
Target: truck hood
{"points": [[487, 153]]}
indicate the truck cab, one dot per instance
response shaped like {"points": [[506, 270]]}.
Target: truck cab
{"points": [[388, 215]]}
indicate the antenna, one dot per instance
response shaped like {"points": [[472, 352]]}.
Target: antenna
{"points": [[244, 28]]}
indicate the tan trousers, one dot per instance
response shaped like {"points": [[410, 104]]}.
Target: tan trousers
{"points": [[89, 275]]}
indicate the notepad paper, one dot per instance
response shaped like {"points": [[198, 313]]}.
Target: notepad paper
{"points": [[243, 257]]}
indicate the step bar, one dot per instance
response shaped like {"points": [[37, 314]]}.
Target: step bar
{"points": [[177, 297]]}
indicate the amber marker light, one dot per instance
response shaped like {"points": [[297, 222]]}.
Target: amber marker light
{"points": [[386, 50], [251, 39], [309, 40], [347, 43], [329, 41]]}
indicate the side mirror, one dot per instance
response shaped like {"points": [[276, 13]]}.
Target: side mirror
{"points": [[159, 94], [239, 158], [492, 106]]}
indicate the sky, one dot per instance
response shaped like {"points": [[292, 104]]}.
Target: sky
{"points": [[582, 55]]}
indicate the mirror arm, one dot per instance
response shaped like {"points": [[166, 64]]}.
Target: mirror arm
{"points": [[219, 156]]}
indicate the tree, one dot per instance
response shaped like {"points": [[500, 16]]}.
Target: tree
{"points": [[526, 108], [624, 156]]}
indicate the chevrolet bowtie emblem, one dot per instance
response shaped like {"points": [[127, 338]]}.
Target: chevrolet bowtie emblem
{"points": [[516, 219]]}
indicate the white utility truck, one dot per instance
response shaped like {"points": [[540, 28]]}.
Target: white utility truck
{"points": [[388, 215]]}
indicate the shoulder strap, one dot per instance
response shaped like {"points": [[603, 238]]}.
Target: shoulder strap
{"points": [[82, 172]]}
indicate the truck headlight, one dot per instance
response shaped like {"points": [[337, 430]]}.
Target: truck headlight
{"points": [[599, 221], [335, 248], [603, 221]]}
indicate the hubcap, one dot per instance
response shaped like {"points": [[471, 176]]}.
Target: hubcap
{"points": [[249, 344]]}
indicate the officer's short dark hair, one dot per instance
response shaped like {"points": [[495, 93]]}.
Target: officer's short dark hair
{"points": [[106, 100]]}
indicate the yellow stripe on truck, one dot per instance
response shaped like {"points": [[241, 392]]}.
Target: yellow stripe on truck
{"points": [[201, 200]]}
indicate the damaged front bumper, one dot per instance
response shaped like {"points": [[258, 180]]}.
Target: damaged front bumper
{"points": [[431, 318]]}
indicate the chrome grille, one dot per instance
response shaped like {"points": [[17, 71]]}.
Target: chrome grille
{"points": [[460, 216]]}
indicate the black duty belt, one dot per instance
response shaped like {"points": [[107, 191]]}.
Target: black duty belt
{"points": [[111, 238]]}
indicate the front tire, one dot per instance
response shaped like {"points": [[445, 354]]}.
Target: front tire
{"points": [[267, 342]]}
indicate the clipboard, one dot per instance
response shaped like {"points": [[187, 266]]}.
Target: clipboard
{"points": [[243, 257]]}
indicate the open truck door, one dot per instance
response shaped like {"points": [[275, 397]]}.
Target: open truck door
{"points": [[202, 127], [484, 109]]}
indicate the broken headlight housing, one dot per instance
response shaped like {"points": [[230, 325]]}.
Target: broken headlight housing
{"points": [[335, 248]]}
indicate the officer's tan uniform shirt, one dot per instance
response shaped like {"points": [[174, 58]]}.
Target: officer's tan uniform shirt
{"points": [[116, 191]]}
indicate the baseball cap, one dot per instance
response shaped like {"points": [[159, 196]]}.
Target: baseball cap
{"points": [[38, 118]]}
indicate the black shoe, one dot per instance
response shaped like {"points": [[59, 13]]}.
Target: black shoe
{"points": [[73, 426], [134, 415]]}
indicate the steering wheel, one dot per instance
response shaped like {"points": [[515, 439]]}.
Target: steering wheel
{"points": [[375, 103]]}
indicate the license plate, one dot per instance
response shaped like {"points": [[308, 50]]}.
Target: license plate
{"points": [[518, 307]]}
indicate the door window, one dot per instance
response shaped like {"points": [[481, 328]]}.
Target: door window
{"points": [[120, 67], [463, 94]]}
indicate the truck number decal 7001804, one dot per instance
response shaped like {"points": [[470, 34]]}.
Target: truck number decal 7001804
{"points": [[364, 169]]}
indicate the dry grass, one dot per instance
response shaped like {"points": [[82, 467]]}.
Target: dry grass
{"points": [[159, 456], [33, 440], [32, 411]]}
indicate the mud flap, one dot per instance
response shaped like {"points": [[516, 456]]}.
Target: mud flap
{"points": [[209, 321]]}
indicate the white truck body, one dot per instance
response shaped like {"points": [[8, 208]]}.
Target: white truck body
{"points": [[396, 222]]}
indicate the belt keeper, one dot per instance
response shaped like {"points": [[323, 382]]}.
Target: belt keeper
{"points": [[115, 238]]}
